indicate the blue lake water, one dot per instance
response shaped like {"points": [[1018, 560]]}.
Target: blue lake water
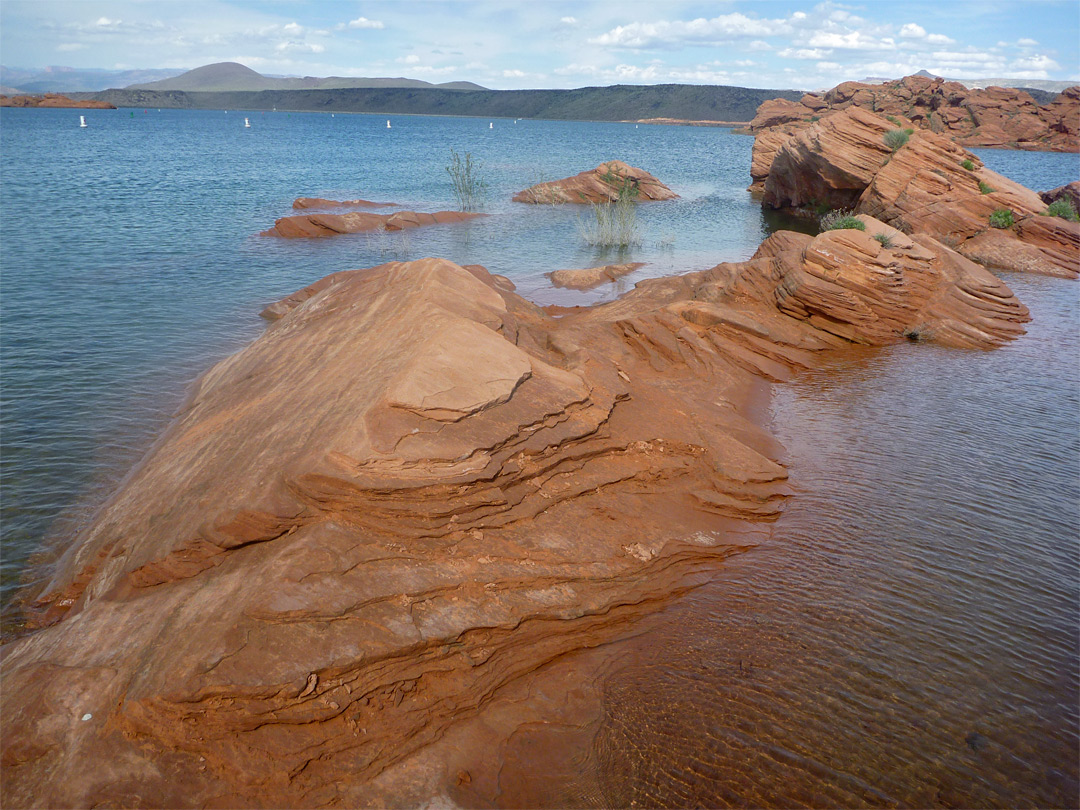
{"points": [[915, 616]]}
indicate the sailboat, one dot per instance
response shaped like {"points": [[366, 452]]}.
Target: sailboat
{"points": [[82, 121]]}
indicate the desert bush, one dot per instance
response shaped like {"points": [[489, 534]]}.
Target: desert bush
{"points": [[884, 239], [841, 220], [895, 138], [967, 164], [1001, 218], [985, 188], [1063, 208], [468, 181]]}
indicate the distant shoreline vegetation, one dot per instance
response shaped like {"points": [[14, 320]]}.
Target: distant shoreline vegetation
{"points": [[615, 103]]}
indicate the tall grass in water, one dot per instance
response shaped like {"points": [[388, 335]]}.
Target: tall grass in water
{"points": [[468, 182], [614, 223]]}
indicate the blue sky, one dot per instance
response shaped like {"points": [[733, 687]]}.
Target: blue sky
{"points": [[550, 43]]}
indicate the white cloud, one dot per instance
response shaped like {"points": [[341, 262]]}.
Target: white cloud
{"points": [[568, 20], [293, 28], [105, 22], [1038, 62], [70, 46], [700, 31], [364, 22], [299, 47], [1026, 42], [912, 31], [940, 39], [804, 53], [829, 66], [513, 74], [851, 41], [411, 59]]}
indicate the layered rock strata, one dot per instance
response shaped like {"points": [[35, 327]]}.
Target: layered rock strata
{"points": [[927, 186], [318, 226], [54, 100], [997, 117], [415, 488], [606, 183]]}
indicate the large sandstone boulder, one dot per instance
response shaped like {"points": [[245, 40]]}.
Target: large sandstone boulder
{"points": [[923, 187], [996, 117], [589, 277], [415, 488], [605, 183]]}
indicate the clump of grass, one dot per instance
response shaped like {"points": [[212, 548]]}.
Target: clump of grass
{"points": [[884, 239], [984, 188], [841, 220], [895, 138], [466, 176], [967, 164], [1062, 208], [893, 119], [1001, 218], [614, 223]]}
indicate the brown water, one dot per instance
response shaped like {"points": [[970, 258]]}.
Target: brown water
{"points": [[907, 636]]}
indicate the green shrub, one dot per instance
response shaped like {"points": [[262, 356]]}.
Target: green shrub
{"points": [[893, 119], [884, 239], [841, 220], [1063, 208], [984, 188], [967, 164], [614, 223], [895, 138], [1001, 218], [468, 181]]}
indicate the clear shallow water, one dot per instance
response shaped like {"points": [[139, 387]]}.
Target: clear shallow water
{"points": [[130, 260]]}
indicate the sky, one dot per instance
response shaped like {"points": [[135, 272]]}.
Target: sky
{"points": [[510, 44]]}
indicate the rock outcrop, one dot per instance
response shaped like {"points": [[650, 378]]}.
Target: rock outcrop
{"points": [[923, 187], [317, 226], [305, 203], [997, 117], [589, 277], [54, 100], [605, 183], [416, 487], [1070, 192]]}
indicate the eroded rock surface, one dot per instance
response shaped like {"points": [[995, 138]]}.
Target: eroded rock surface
{"points": [[603, 184], [415, 488], [317, 226], [589, 277], [997, 117], [923, 187], [304, 203]]}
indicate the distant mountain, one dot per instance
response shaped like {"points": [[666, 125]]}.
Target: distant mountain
{"points": [[66, 79], [232, 76], [617, 103]]}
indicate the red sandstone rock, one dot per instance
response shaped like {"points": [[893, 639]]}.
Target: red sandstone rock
{"points": [[400, 499], [602, 184], [314, 226], [995, 117], [302, 203], [842, 161], [1069, 192], [591, 277], [53, 100]]}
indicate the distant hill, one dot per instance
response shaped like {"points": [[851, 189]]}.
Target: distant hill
{"points": [[617, 103], [232, 76], [57, 79]]}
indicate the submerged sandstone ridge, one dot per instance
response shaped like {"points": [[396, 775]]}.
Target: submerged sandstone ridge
{"points": [[927, 186], [417, 487], [318, 226], [606, 183]]}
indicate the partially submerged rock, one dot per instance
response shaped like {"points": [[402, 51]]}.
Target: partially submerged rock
{"points": [[317, 226], [303, 203], [589, 277], [923, 187], [416, 487], [605, 183]]}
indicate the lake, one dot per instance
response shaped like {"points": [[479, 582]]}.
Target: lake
{"points": [[907, 634]]}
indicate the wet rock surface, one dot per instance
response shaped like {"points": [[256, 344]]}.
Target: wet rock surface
{"points": [[590, 277], [415, 489], [318, 226], [603, 184], [303, 203]]}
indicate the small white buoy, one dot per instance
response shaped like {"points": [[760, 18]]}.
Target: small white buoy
{"points": [[491, 126], [388, 123], [82, 120], [87, 716], [331, 115], [247, 124]]}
